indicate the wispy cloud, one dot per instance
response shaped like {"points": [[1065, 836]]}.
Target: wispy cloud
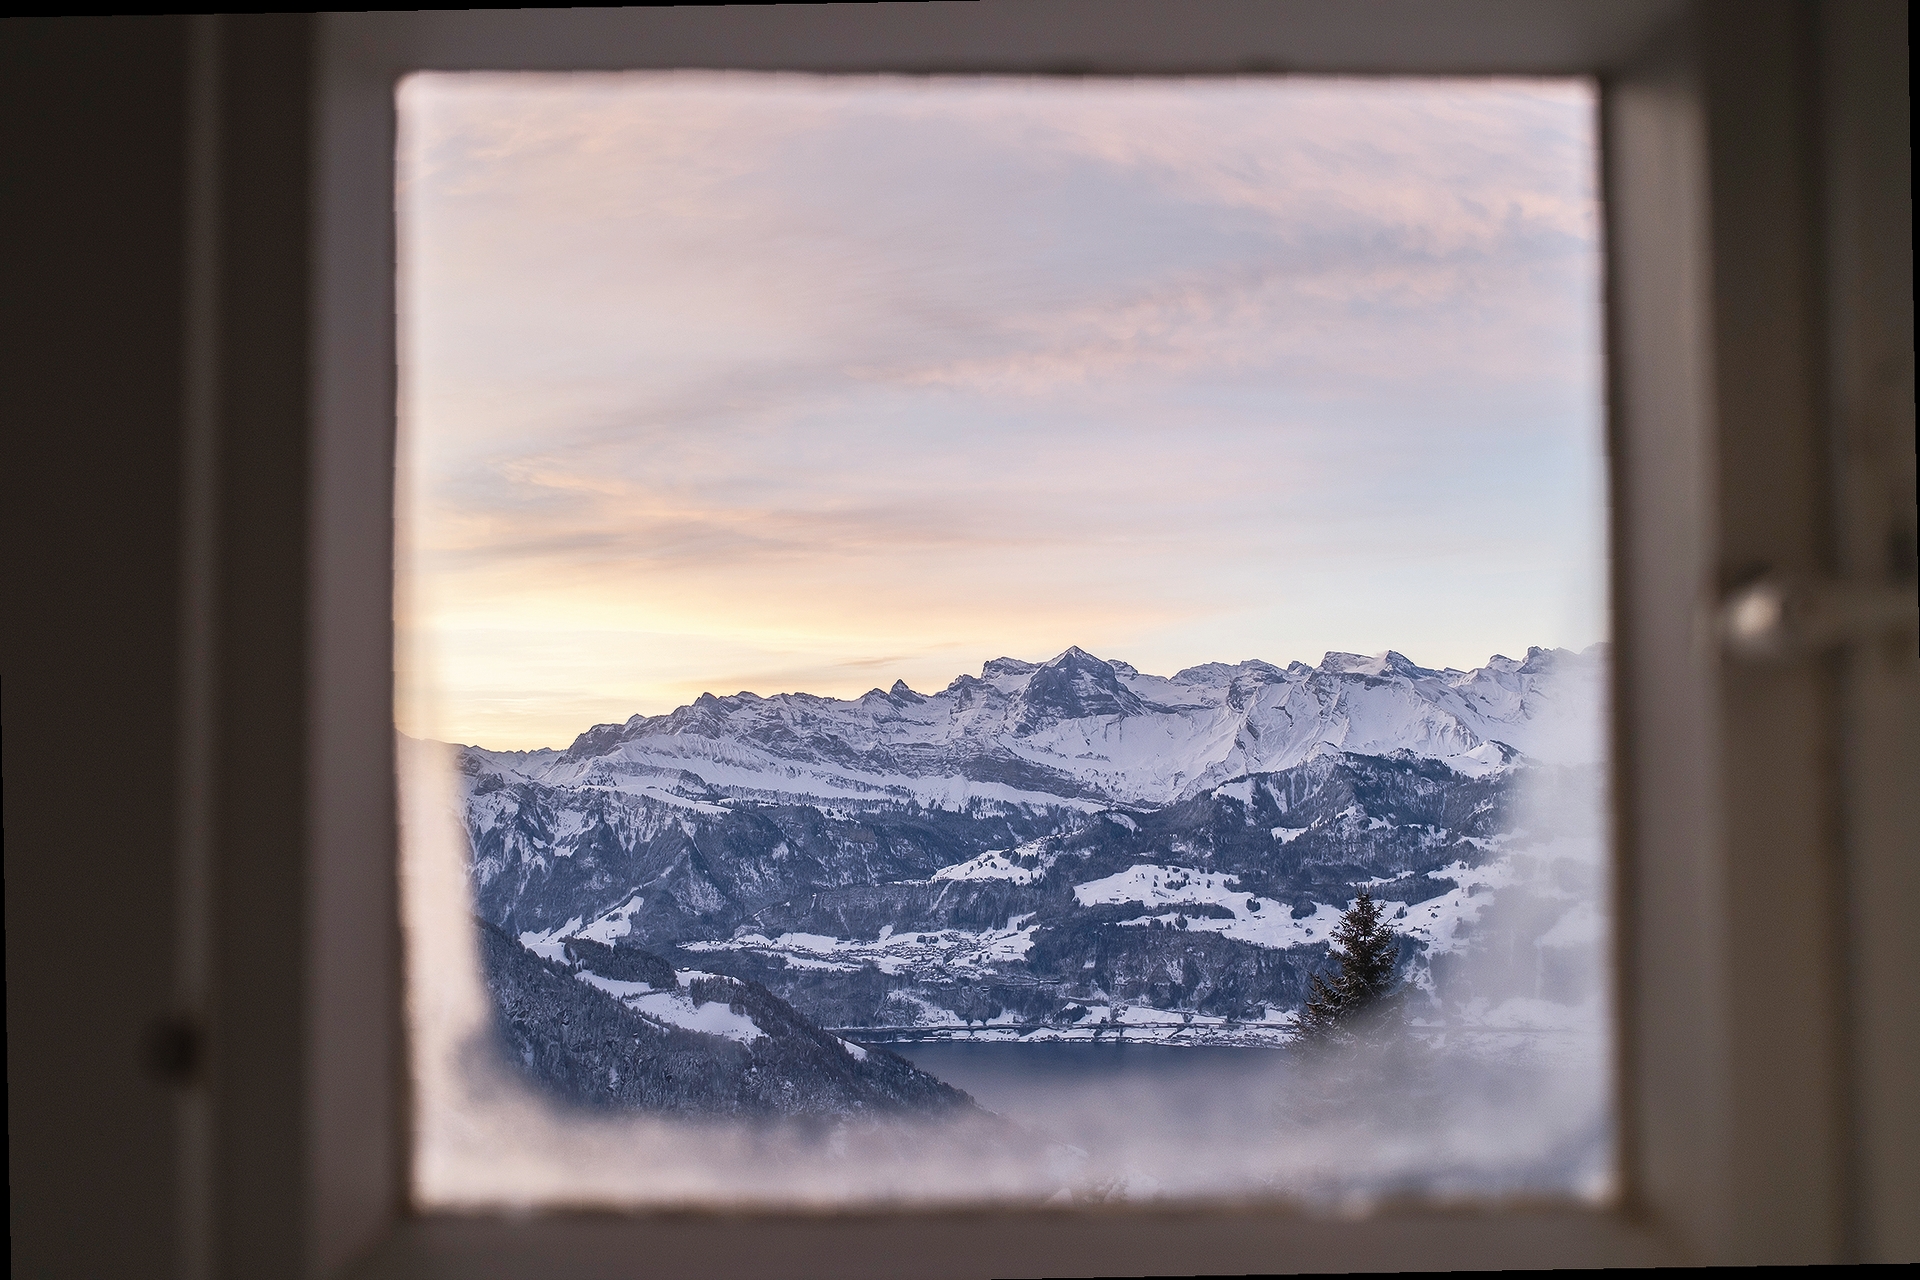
{"points": [[865, 376]]}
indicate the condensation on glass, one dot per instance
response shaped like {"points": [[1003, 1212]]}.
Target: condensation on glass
{"points": [[932, 611]]}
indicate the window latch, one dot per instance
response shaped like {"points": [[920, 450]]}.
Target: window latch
{"points": [[1779, 616]]}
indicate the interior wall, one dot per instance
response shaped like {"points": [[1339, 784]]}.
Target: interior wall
{"points": [[259, 1211], [94, 114], [155, 662]]}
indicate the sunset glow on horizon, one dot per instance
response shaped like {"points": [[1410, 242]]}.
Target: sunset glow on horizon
{"points": [[715, 382]]}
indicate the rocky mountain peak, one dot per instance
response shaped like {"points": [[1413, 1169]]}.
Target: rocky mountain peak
{"points": [[600, 739], [1072, 686], [1399, 664]]}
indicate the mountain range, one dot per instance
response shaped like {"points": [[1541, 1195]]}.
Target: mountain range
{"points": [[1062, 850], [1090, 732]]}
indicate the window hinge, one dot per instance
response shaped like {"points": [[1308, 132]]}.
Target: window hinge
{"points": [[1779, 616]]}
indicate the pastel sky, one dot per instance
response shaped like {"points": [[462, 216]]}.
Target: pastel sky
{"points": [[717, 381]]}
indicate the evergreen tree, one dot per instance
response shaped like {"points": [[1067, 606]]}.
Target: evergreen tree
{"points": [[1367, 952]]}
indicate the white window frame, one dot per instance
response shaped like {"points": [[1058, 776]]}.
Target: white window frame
{"points": [[1755, 1124]]}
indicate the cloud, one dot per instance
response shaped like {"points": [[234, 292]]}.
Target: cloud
{"points": [[917, 366]]}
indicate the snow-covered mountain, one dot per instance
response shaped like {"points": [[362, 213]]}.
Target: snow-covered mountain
{"points": [[1089, 732], [1063, 850]]}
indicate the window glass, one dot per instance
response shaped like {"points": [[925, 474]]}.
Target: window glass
{"points": [[995, 639]]}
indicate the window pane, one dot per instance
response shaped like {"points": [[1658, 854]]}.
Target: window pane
{"points": [[963, 599]]}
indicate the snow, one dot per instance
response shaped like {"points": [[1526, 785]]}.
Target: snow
{"points": [[665, 796], [1435, 921], [677, 1008], [551, 945], [1260, 921], [1145, 1016], [1011, 943], [617, 923], [859, 1054], [674, 1007], [797, 961], [1205, 729], [1241, 791], [1132, 1023], [1287, 835], [818, 943], [1002, 864], [952, 951], [1151, 884]]}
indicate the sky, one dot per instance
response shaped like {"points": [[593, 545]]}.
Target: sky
{"points": [[772, 382]]}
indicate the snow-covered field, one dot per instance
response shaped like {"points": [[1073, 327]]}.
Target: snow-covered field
{"points": [[1164, 890], [676, 1008], [1133, 1024], [949, 952], [1022, 865]]}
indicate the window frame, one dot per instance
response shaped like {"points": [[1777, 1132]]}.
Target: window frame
{"points": [[1680, 88]]}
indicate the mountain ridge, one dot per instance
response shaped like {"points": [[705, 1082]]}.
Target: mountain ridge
{"points": [[1094, 731]]}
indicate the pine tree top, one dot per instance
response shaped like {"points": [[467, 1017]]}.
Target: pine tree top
{"points": [[1367, 953]]}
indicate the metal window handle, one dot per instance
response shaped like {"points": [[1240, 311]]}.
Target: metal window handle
{"points": [[1783, 616]]}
